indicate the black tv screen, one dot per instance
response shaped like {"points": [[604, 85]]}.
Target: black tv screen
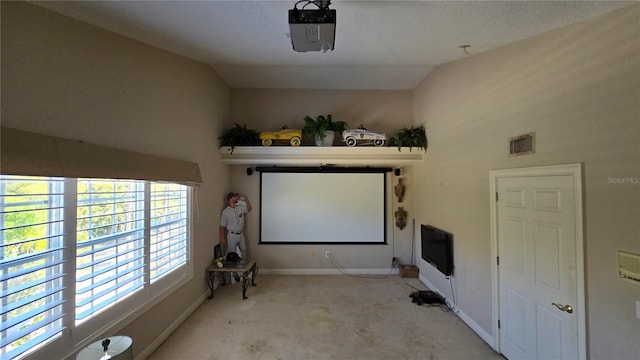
{"points": [[437, 248]]}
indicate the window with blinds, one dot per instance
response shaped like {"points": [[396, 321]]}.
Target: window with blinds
{"points": [[121, 237], [169, 230], [31, 262], [110, 243]]}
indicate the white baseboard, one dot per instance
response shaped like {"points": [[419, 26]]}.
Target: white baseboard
{"points": [[474, 326], [327, 272], [168, 331], [488, 338]]}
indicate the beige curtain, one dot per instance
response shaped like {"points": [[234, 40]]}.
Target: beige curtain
{"points": [[26, 153]]}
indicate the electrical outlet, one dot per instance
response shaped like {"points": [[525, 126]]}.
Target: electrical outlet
{"points": [[327, 253]]}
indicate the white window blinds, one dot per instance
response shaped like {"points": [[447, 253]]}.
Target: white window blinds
{"points": [[110, 243], [82, 255], [169, 231], [31, 259]]}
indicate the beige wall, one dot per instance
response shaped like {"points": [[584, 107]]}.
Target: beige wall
{"points": [[268, 110], [65, 78], [578, 88]]}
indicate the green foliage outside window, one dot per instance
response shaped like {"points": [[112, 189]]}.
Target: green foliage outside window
{"points": [[29, 228]]}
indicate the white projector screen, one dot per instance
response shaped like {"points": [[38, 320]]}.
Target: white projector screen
{"points": [[303, 205]]}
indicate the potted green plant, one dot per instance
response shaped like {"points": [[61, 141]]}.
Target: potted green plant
{"points": [[239, 135], [410, 137], [322, 129]]}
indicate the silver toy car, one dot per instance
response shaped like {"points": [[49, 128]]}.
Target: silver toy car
{"points": [[352, 136]]}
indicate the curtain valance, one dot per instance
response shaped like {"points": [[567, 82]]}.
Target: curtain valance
{"points": [[27, 153]]}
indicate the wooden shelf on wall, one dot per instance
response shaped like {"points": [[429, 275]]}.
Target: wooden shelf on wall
{"points": [[317, 155]]}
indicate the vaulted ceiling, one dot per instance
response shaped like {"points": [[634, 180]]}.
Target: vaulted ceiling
{"points": [[378, 45]]}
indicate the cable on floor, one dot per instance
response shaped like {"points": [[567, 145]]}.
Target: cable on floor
{"points": [[411, 286], [342, 271], [443, 306]]}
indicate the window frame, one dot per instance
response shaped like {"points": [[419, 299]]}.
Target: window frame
{"points": [[74, 335]]}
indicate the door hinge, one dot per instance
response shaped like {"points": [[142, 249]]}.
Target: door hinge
{"points": [[498, 324], [496, 196], [498, 260]]}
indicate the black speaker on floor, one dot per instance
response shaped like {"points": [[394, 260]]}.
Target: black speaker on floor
{"points": [[426, 297]]}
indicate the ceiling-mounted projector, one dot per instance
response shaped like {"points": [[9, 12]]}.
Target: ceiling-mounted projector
{"points": [[313, 30]]}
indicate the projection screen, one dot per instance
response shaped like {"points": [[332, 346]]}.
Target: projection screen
{"points": [[315, 205]]}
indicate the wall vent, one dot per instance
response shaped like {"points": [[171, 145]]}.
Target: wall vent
{"points": [[629, 267], [522, 144]]}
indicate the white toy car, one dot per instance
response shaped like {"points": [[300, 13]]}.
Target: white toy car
{"points": [[352, 136]]}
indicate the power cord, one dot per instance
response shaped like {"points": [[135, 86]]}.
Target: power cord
{"points": [[443, 307], [342, 271], [409, 285], [453, 294]]}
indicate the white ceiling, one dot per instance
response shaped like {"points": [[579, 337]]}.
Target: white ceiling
{"points": [[379, 44]]}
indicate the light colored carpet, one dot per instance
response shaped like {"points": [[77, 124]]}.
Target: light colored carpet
{"points": [[322, 317]]}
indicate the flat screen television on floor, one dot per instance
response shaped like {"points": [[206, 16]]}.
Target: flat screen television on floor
{"points": [[437, 248]]}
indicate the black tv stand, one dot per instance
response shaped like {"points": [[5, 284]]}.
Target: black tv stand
{"points": [[426, 297]]}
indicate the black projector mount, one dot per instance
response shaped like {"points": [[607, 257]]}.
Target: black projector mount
{"points": [[322, 15]]}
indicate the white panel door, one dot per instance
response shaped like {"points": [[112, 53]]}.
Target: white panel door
{"points": [[537, 267]]}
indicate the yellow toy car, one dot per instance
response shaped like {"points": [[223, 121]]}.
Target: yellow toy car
{"points": [[293, 137]]}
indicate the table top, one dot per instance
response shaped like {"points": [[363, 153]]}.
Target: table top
{"points": [[118, 345], [244, 265]]}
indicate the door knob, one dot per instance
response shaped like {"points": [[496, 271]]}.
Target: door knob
{"points": [[566, 308]]}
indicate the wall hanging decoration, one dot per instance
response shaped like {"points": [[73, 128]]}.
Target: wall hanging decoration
{"points": [[399, 190], [401, 218]]}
